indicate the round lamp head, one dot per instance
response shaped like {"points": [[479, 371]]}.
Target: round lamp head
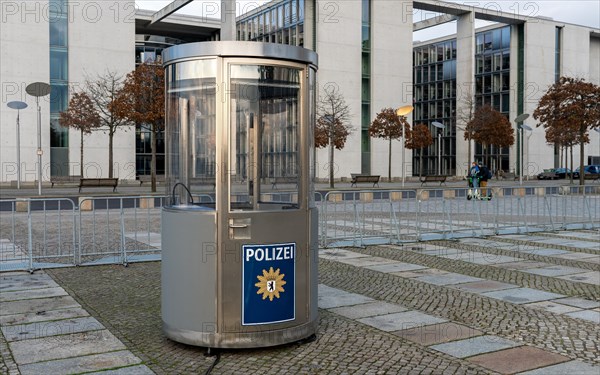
{"points": [[403, 111], [17, 105], [438, 125], [526, 127], [38, 89], [522, 117]]}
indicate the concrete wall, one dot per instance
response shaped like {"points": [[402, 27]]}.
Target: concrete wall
{"points": [[391, 77], [101, 36], [339, 49], [24, 59], [100, 40]]}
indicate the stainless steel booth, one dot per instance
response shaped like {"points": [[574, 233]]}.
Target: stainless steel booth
{"points": [[239, 234]]}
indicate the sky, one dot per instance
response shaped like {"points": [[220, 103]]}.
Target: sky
{"points": [[581, 12]]}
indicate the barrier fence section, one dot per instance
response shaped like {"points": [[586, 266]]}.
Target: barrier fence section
{"points": [[47, 233], [369, 217]]}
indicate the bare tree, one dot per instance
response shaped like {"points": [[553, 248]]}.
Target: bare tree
{"points": [[465, 115], [142, 101], [332, 128], [420, 138], [103, 91], [388, 125], [82, 115], [571, 105]]}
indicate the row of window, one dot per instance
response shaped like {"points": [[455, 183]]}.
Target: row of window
{"points": [[437, 72], [288, 13], [434, 53], [435, 91]]}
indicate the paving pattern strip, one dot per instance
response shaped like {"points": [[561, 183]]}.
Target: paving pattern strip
{"points": [[371, 312], [45, 331]]}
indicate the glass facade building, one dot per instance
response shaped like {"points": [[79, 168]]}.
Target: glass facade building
{"points": [[59, 83], [435, 95], [281, 23]]}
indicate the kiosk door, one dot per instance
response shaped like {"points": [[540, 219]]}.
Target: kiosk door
{"points": [[267, 220]]}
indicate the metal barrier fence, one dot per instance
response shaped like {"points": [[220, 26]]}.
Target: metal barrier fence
{"points": [[368, 217], [46, 233]]}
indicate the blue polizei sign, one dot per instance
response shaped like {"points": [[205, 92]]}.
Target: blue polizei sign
{"points": [[268, 283]]}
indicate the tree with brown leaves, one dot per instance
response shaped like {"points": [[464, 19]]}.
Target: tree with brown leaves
{"points": [[142, 101], [570, 106], [388, 125], [81, 114], [103, 90], [419, 139], [490, 128], [332, 126]]}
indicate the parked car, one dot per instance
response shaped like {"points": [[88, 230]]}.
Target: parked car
{"points": [[591, 170], [562, 172], [547, 174]]}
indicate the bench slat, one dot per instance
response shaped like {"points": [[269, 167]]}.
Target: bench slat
{"points": [[99, 182]]}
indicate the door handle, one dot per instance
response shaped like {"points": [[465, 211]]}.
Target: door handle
{"points": [[231, 225]]}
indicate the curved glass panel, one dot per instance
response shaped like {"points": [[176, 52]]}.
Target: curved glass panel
{"points": [[191, 133], [265, 137]]}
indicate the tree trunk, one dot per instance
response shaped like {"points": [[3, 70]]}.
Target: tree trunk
{"points": [[390, 161], [421, 163], [331, 146], [581, 159], [571, 154], [110, 153], [153, 160], [469, 160], [81, 157]]}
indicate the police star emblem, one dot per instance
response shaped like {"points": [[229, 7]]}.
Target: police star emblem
{"points": [[270, 284]]}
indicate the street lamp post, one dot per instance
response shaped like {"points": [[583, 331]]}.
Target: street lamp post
{"points": [[440, 127], [39, 89], [523, 127], [18, 106], [403, 111], [518, 120]]}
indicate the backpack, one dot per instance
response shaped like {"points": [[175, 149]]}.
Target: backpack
{"points": [[485, 173]]}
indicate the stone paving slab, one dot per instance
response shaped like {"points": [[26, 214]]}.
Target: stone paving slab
{"points": [[484, 286], [566, 368], [474, 346], [554, 271], [519, 359], [587, 277], [366, 261], [542, 251], [400, 321], [420, 273], [522, 295], [578, 302], [15, 282], [368, 309], [38, 305], [332, 297], [553, 307], [6, 320], [31, 294], [134, 370], [66, 346], [517, 266], [52, 328], [591, 315], [448, 279], [395, 267], [335, 254], [89, 363], [438, 333], [579, 256]]}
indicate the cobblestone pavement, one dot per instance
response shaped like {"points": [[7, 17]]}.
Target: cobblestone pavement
{"points": [[436, 282]]}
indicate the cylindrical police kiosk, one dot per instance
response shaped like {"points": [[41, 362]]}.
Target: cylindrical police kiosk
{"points": [[239, 234]]}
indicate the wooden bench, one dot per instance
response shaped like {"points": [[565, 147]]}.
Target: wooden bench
{"points": [[64, 179], [440, 179], [358, 178], [283, 180], [509, 176], [160, 178], [99, 182]]}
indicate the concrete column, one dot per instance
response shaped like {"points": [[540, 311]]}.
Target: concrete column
{"points": [[310, 22], [465, 87], [228, 19]]}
